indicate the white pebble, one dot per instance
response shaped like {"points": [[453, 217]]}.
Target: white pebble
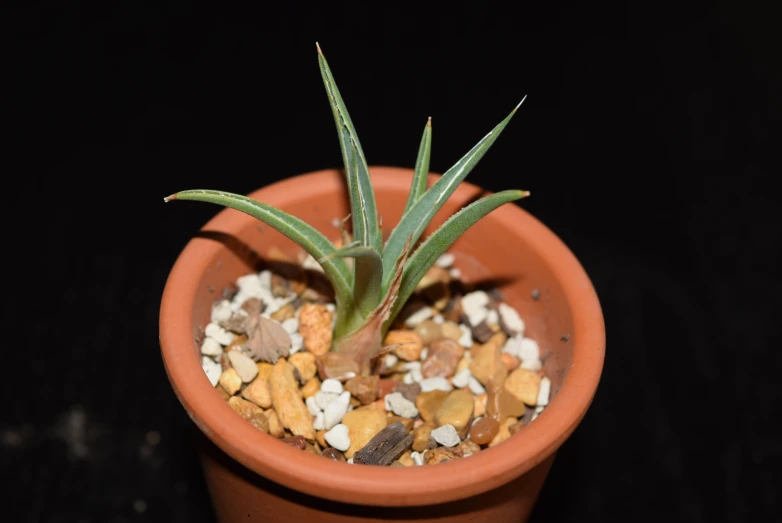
{"points": [[511, 319], [222, 336], [535, 365], [265, 279], [418, 316], [390, 360], [424, 353], [331, 307], [350, 460], [312, 405], [446, 435], [319, 422], [513, 346], [529, 349], [461, 379], [413, 365], [537, 412], [297, 342], [477, 317], [212, 369], [544, 392], [418, 459], [407, 379], [323, 398], [334, 412], [221, 312], [399, 405], [331, 385], [455, 273], [492, 317], [345, 396], [338, 437], [211, 347], [474, 301], [466, 338], [445, 260], [475, 386], [438, 319], [437, 383], [243, 365], [291, 325], [250, 285]]}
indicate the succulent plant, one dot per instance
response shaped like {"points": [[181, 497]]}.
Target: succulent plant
{"points": [[372, 290]]}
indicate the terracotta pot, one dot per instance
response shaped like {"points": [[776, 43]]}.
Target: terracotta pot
{"points": [[253, 477]]}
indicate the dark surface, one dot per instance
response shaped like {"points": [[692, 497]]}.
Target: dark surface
{"points": [[646, 141]]}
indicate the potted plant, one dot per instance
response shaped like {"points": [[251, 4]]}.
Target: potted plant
{"points": [[389, 354]]}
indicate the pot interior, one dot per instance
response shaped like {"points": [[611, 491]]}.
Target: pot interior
{"points": [[493, 252]]}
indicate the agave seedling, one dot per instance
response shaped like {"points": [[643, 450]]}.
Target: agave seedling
{"points": [[371, 291]]}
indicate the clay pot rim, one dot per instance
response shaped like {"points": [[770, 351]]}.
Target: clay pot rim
{"points": [[381, 486]]}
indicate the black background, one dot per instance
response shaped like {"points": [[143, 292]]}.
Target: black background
{"points": [[646, 141]]}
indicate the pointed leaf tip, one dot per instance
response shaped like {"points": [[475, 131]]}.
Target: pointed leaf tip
{"points": [[169, 198], [318, 46], [521, 102], [429, 122]]}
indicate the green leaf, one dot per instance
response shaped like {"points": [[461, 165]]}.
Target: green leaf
{"points": [[418, 187], [368, 275], [362, 196], [440, 240], [303, 234], [415, 220]]}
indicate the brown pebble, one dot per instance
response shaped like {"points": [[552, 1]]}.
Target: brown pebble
{"points": [[466, 447], [332, 453], [480, 404], [251, 412], [408, 344], [364, 388], [275, 425], [451, 330], [427, 403], [285, 312], [516, 427], [456, 410], [337, 366], [482, 332], [310, 388], [422, 437], [297, 442], [320, 437], [409, 390], [304, 362], [406, 459], [439, 455], [315, 328], [385, 386], [429, 331], [484, 430], [510, 361], [444, 355]]}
